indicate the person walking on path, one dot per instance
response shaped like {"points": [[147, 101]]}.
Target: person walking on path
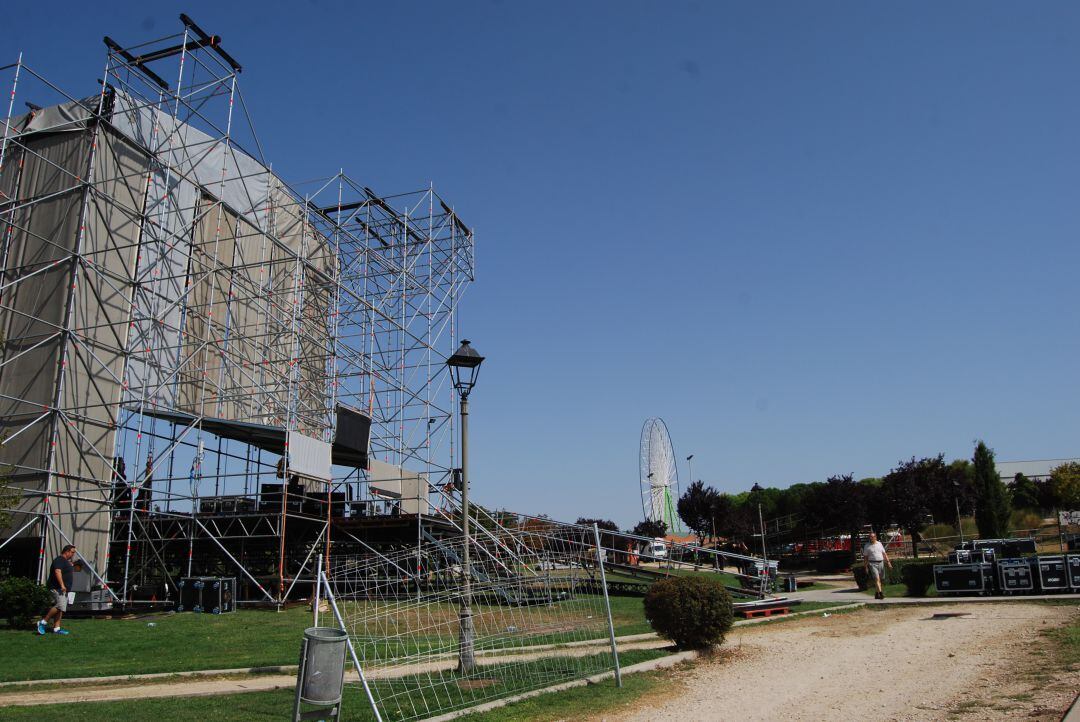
{"points": [[876, 558], [60, 574]]}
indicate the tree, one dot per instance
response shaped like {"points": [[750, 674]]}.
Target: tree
{"points": [[1065, 486], [696, 507], [841, 504], [650, 528], [992, 498], [725, 516], [1024, 492], [607, 540], [878, 513], [906, 493], [961, 491]]}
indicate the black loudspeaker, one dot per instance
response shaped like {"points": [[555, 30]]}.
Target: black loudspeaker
{"points": [[1052, 574], [1015, 577], [270, 498], [351, 438], [964, 578]]}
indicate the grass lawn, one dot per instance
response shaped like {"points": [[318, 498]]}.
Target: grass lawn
{"points": [[900, 590], [277, 704], [568, 704], [818, 586], [247, 638], [1067, 640], [177, 642]]}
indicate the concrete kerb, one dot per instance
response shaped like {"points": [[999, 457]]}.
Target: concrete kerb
{"points": [[281, 669], [1073, 713]]}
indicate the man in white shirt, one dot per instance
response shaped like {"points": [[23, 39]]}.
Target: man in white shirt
{"points": [[876, 558]]}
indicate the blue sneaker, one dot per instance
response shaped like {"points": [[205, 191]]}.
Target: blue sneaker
{"points": [[41, 627], [61, 631]]}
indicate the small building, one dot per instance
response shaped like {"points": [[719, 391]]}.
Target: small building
{"points": [[1038, 470]]}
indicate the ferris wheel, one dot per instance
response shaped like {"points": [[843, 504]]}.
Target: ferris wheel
{"points": [[659, 474]]}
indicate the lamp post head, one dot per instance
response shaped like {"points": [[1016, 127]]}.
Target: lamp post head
{"points": [[464, 368], [756, 487]]}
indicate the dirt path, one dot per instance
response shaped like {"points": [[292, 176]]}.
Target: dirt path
{"points": [[898, 663]]}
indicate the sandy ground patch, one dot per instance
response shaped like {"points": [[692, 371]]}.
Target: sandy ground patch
{"points": [[895, 663]]}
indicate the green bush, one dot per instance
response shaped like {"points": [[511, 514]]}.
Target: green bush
{"points": [[936, 531], [693, 612], [21, 600], [917, 574], [1025, 520]]}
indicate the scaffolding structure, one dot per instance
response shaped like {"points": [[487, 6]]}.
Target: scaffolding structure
{"points": [[186, 337]]}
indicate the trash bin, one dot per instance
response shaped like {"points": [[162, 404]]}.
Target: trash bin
{"points": [[322, 665]]}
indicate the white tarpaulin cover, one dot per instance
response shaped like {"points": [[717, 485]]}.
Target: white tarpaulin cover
{"points": [[309, 457], [394, 482]]}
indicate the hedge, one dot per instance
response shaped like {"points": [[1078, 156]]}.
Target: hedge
{"points": [[916, 574], [21, 600]]}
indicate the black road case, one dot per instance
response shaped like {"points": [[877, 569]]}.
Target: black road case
{"points": [[1052, 574], [213, 595], [965, 579], [1015, 577], [1072, 570]]}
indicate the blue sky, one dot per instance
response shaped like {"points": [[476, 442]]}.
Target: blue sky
{"points": [[815, 238]]}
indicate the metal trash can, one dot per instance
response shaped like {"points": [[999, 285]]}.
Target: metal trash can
{"points": [[322, 665]]}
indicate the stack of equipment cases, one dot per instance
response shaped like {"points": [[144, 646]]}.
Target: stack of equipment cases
{"points": [[1072, 569], [1004, 548], [1053, 576], [100, 600], [960, 556], [967, 579], [214, 595], [1015, 577]]}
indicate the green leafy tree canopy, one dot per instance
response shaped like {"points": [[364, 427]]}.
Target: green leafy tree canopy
{"points": [[992, 498]]}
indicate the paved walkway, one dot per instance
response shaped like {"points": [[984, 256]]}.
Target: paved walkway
{"points": [[850, 593]]}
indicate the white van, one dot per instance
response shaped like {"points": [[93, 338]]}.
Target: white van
{"points": [[658, 548]]}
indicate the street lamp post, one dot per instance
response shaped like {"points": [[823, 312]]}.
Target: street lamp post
{"points": [[690, 463], [465, 367], [755, 491]]}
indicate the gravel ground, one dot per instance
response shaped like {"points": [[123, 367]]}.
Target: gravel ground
{"points": [[898, 663]]}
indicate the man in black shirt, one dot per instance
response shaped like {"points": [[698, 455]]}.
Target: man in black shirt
{"points": [[59, 582]]}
